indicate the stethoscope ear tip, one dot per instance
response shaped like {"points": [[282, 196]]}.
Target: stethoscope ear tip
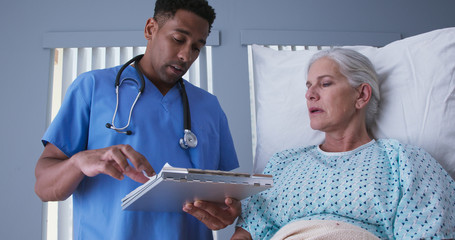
{"points": [[110, 126]]}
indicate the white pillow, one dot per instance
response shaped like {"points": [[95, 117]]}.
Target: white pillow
{"points": [[417, 83]]}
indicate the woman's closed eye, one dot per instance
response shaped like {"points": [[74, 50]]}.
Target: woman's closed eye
{"points": [[326, 84]]}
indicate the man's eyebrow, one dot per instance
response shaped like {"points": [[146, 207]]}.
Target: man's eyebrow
{"points": [[183, 31]]}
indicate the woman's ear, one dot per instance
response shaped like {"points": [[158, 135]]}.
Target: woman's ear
{"points": [[150, 28], [364, 96]]}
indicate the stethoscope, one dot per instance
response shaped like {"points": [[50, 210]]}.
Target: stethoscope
{"points": [[189, 138]]}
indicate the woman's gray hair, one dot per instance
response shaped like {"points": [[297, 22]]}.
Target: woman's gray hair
{"points": [[358, 69]]}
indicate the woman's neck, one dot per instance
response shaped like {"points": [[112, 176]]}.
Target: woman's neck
{"points": [[345, 141]]}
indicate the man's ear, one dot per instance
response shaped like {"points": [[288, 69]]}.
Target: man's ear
{"points": [[151, 28], [364, 96]]}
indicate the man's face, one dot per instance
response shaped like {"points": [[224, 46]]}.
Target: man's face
{"points": [[172, 48]]}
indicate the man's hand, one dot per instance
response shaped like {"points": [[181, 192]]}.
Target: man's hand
{"points": [[241, 234], [112, 161], [57, 176], [214, 215]]}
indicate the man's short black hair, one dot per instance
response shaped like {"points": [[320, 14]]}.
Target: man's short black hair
{"points": [[166, 9]]}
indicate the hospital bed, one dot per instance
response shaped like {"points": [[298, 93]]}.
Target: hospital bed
{"points": [[417, 83]]}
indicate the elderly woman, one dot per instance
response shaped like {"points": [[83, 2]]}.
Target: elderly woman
{"points": [[350, 185]]}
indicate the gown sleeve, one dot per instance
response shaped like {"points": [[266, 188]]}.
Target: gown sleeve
{"points": [[426, 208]]}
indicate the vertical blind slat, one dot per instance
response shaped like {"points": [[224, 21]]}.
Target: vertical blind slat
{"points": [[65, 219], [252, 103], [201, 77], [84, 60], [138, 50], [98, 59], [69, 69], [112, 56], [126, 53], [209, 77]]}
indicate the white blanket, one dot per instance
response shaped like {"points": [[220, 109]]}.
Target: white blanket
{"points": [[322, 229]]}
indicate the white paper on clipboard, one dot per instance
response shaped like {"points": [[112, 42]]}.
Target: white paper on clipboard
{"points": [[172, 187]]}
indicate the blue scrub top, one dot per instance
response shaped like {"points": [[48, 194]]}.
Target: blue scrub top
{"points": [[157, 126]]}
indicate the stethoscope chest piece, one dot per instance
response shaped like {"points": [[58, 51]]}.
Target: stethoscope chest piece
{"points": [[188, 140]]}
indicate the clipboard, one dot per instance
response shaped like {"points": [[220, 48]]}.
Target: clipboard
{"points": [[172, 187]]}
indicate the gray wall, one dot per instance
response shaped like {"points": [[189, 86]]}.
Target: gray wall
{"points": [[25, 68]]}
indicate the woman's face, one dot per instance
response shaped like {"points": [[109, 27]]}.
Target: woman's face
{"points": [[330, 98]]}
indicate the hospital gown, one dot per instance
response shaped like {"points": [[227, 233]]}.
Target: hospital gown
{"points": [[391, 189]]}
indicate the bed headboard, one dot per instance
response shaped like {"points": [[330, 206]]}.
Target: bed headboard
{"points": [[417, 82]]}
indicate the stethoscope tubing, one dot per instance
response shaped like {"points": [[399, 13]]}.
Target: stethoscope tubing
{"points": [[189, 139], [138, 70]]}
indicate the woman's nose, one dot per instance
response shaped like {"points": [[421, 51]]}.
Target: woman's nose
{"points": [[311, 94]]}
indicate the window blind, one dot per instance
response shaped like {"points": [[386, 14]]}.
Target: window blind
{"points": [[66, 65]]}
